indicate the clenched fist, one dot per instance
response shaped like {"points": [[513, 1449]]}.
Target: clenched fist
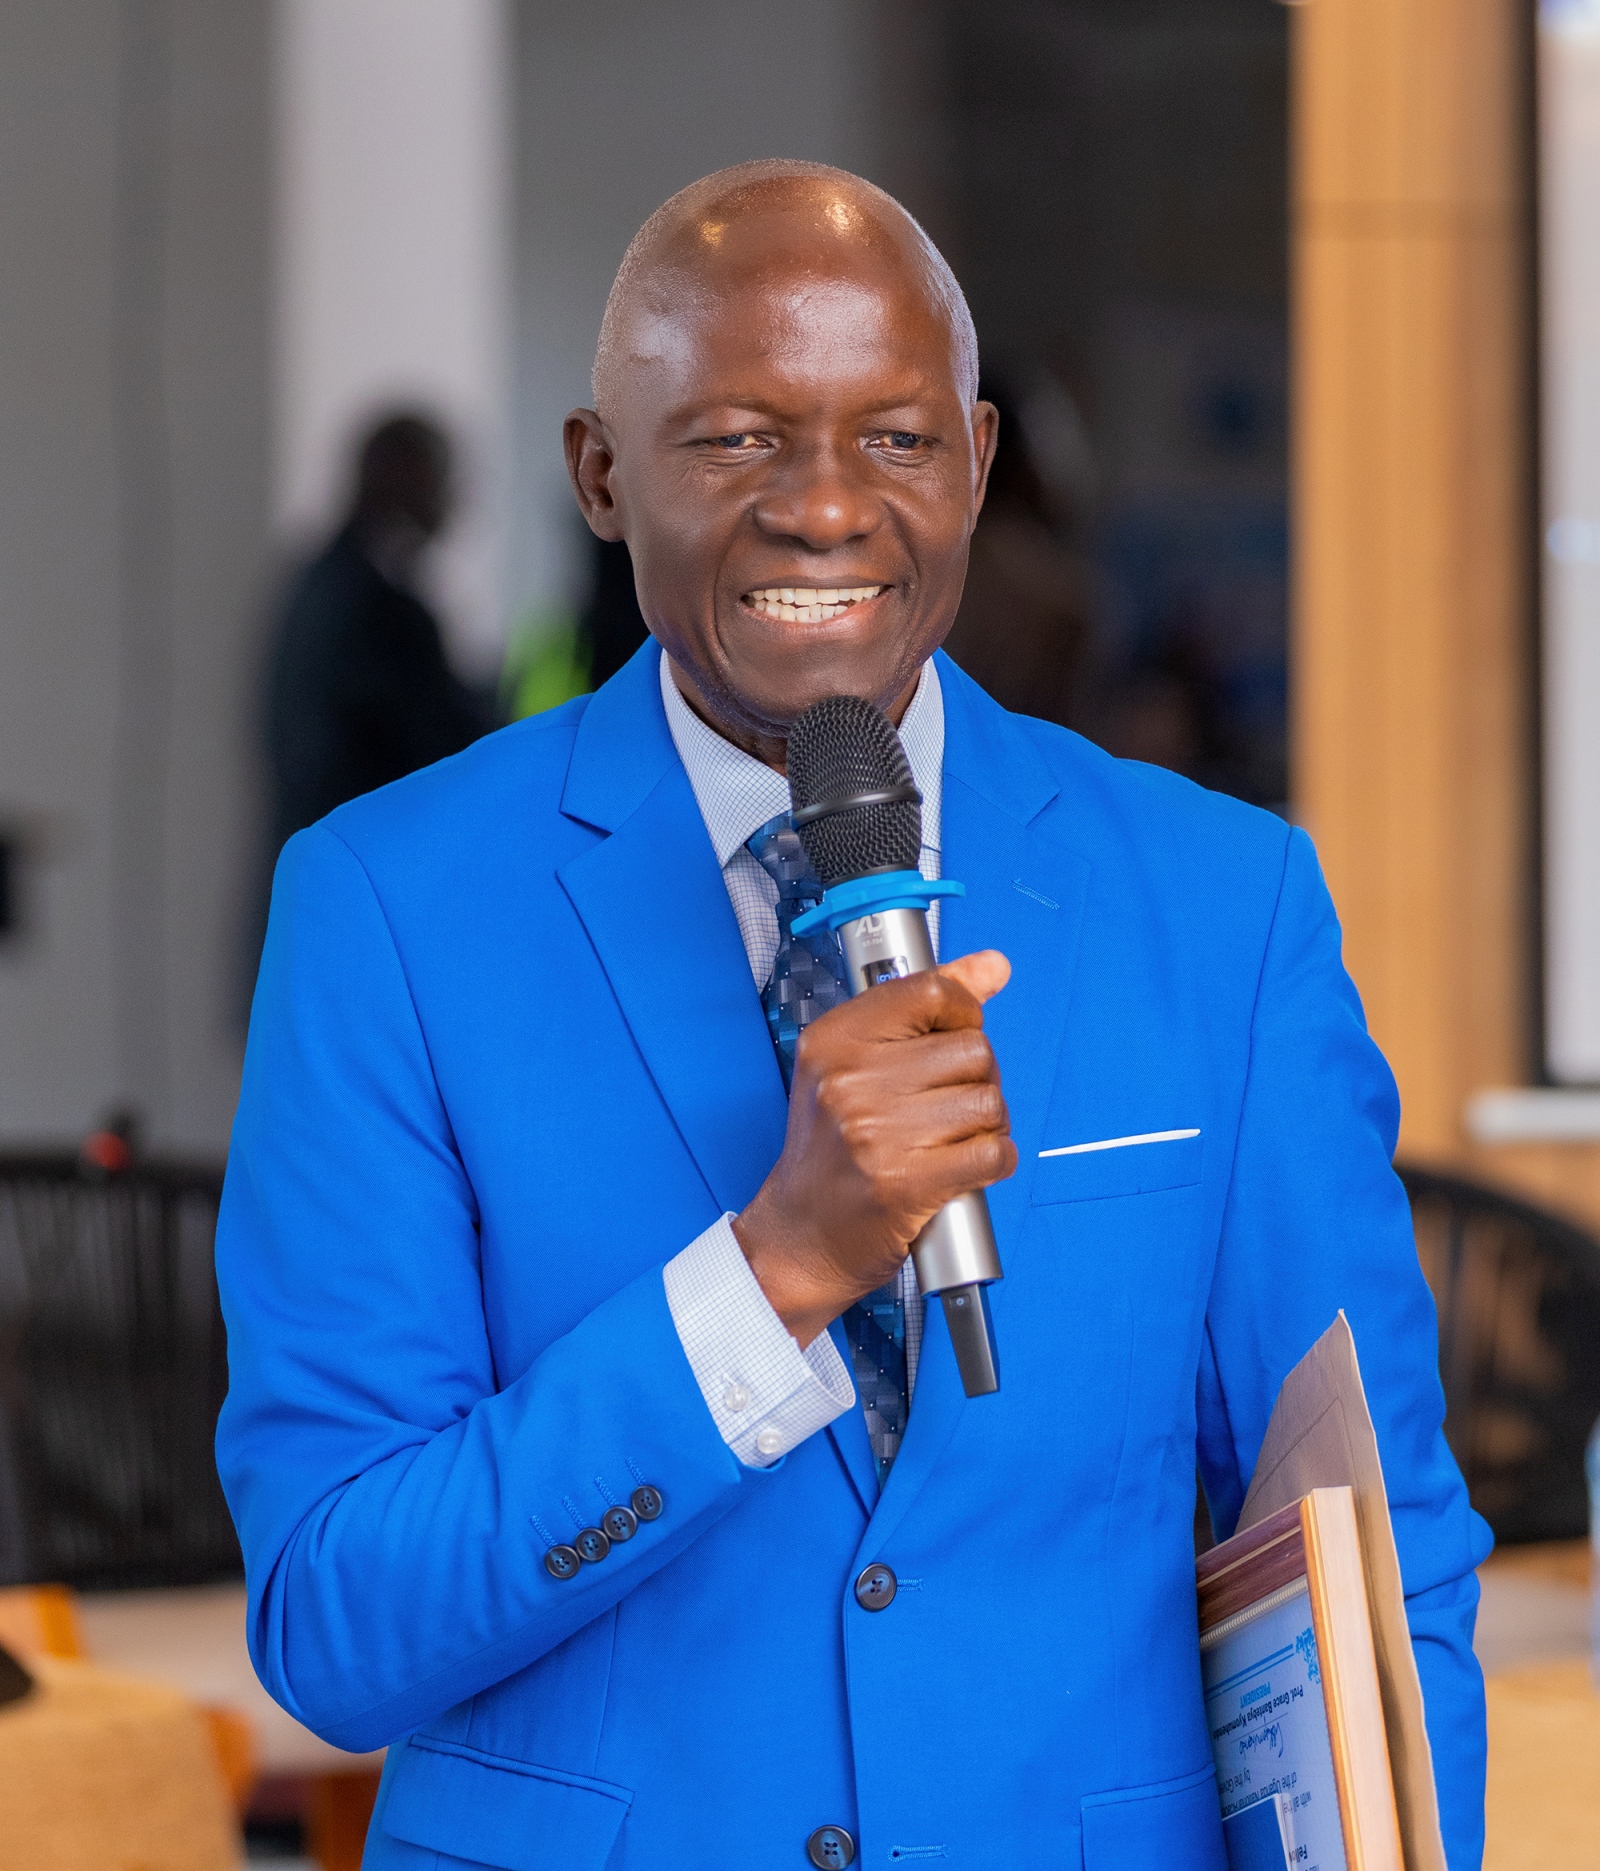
{"points": [[896, 1109]]}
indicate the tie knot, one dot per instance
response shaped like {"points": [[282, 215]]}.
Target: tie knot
{"points": [[779, 852]]}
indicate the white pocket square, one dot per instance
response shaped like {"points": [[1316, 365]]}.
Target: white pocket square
{"points": [[1121, 1143]]}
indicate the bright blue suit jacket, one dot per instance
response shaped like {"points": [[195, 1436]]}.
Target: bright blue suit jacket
{"points": [[506, 1060]]}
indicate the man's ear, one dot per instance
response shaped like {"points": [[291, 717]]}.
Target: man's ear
{"points": [[985, 435], [591, 463]]}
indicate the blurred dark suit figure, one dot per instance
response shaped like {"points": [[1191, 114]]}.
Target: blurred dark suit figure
{"points": [[610, 626], [1023, 627], [359, 689]]}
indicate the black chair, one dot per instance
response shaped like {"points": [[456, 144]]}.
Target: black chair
{"points": [[113, 1366], [1518, 1292]]}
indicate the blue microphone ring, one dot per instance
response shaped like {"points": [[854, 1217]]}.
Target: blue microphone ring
{"points": [[871, 896]]}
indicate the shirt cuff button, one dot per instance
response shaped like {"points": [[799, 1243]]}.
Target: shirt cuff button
{"points": [[736, 1398], [770, 1442]]}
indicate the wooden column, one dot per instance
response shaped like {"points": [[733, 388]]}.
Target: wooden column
{"points": [[1410, 647], [1413, 606]]}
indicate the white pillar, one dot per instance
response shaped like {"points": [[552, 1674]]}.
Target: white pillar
{"points": [[392, 170]]}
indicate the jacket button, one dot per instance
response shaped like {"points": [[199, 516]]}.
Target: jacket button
{"points": [[592, 1545], [647, 1502], [830, 1847], [876, 1588], [561, 1562], [620, 1524]]}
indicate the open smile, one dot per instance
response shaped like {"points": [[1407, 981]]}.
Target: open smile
{"points": [[806, 604]]}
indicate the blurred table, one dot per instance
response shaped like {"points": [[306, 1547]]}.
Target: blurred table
{"points": [[102, 1773], [193, 1639], [1543, 1806]]}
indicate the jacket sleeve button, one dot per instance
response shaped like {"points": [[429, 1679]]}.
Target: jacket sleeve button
{"points": [[592, 1545], [647, 1502], [621, 1523], [561, 1562]]}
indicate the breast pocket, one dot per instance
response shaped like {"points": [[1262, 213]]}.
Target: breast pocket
{"points": [[1139, 1165]]}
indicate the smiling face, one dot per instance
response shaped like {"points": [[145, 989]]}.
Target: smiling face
{"points": [[790, 449]]}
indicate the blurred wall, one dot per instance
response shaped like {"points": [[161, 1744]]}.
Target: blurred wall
{"points": [[133, 419]]}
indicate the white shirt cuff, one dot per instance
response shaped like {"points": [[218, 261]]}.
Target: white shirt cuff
{"points": [[764, 1393]]}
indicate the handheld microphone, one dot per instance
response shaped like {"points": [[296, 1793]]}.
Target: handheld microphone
{"points": [[859, 817]]}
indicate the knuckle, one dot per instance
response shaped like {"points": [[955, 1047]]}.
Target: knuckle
{"points": [[927, 993], [1002, 1157], [980, 1060], [859, 1131]]}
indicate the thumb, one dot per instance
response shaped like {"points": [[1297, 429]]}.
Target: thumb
{"points": [[982, 975]]}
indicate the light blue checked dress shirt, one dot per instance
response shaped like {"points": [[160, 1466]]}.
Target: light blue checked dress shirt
{"points": [[764, 1393]]}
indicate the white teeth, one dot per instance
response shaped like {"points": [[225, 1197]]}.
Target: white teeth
{"points": [[802, 604]]}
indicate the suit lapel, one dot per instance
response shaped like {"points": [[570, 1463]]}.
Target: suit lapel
{"points": [[655, 906], [1025, 897]]}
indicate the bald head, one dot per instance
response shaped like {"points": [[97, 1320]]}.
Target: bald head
{"points": [[786, 433], [739, 225]]}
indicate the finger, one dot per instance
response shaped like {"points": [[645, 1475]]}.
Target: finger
{"points": [[982, 974], [905, 1009], [931, 1060], [930, 1120], [955, 1169]]}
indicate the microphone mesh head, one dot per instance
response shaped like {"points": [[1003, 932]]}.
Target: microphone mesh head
{"points": [[840, 748]]}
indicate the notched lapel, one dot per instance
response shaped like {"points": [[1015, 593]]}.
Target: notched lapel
{"points": [[1025, 896], [656, 909]]}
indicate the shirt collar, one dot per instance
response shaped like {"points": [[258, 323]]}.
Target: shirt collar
{"points": [[737, 794]]}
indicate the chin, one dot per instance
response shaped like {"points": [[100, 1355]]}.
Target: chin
{"points": [[779, 678]]}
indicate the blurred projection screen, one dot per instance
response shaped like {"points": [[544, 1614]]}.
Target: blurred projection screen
{"points": [[1569, 209], [392, 152]]}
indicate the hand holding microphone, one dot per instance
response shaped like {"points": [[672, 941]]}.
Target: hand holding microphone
{"points": [[896, 1117]]}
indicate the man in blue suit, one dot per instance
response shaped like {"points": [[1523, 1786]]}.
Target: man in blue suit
{"points": [[589, 1445]]}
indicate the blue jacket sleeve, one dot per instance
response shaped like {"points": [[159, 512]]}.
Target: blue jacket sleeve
{"points": [[1316, 1220], [394, 1501]]}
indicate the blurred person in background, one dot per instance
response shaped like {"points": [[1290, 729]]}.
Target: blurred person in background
{"points": [[1023, 628], [610, 626], [359, 690]]}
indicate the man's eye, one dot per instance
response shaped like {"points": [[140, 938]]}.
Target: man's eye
{"points": [[743, 441], [902, 441]]}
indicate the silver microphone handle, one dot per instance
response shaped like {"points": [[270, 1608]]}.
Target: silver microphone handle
{"points": [[955, 1255]]}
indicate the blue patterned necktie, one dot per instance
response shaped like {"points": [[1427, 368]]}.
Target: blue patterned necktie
{"points": [[808, 979]]}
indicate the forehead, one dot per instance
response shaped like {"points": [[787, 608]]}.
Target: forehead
{"points": [[785, 282], [867, 329]]}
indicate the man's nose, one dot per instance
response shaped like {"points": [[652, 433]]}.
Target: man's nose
{"points": [[820, 504]]}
